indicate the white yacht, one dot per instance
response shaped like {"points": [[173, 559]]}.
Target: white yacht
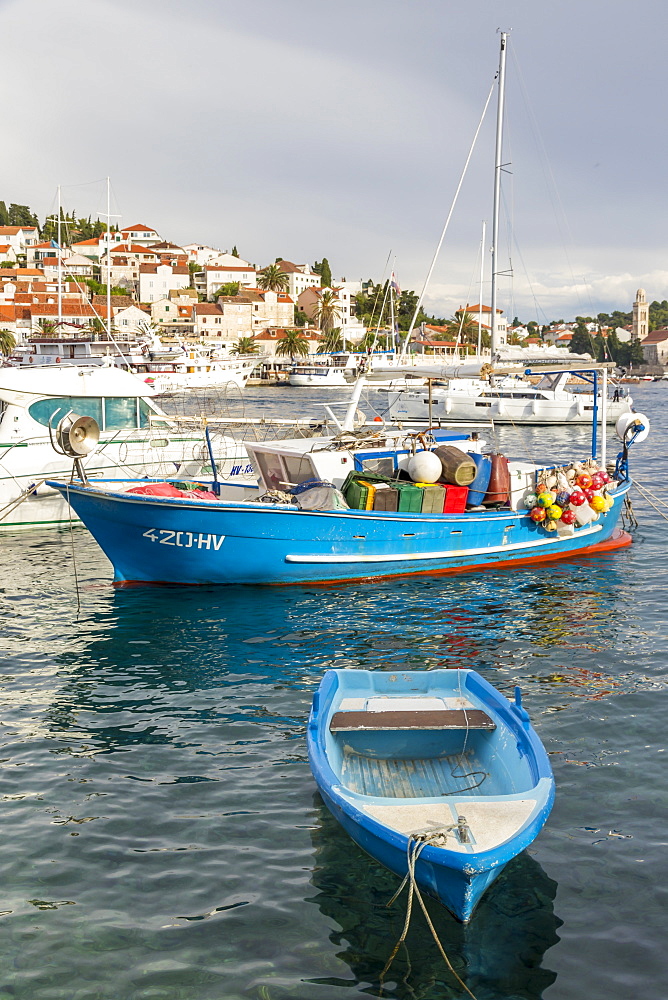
{"points": [[196, 367], [325, 370], [137, 439], [507, 399]]}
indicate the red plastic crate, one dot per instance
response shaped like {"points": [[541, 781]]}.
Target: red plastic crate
{"points": [[455, 499]]}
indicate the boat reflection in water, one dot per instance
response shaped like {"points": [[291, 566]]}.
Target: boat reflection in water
{"points": [[499, 953]]}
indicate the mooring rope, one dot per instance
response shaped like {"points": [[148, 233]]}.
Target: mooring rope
{"points": [[416, 844], [10, 507], [651, 499]]}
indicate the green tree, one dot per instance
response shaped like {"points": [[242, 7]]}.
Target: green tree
{"points": [[7, 342], [463, 327], [301, 319], [273, 279], [229, 288], [292, 344], [581, 340], [331, 341], [46, 327], [325, 274], [235, 252], [328, 309], [245, 345]]}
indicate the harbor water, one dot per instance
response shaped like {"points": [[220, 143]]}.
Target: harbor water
{"points": [[162, 835]]}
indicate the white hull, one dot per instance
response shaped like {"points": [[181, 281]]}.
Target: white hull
{"points": [[509, 407], [218, 374], [328, 378], [136, 441], [157, 454]]}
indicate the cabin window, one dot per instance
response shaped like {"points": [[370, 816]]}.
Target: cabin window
{"points": [[120, 412], [113, 413], [272, 470], [298, 470], [51, 411], [384, 466]]}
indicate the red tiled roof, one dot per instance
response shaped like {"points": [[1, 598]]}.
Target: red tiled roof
{"points": [[68, 308], [656, 336], [13, 230], [207, 309], [140, 227], [153, 268], [21, 272]]}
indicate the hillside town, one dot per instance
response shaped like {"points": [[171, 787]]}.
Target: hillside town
{"points": [[117, 286]]}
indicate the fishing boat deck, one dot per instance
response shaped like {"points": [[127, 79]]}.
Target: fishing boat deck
{"points": [[490, 823], [411, 778]]}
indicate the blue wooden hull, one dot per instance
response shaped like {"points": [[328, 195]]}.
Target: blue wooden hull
{"points": [[170, 540], [456, 877]]}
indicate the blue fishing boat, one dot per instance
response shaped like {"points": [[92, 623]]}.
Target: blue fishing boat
{"points": [[348, 507], [435, 771]]}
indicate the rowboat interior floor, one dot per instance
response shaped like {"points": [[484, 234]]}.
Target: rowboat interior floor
{"points": [[458, 774]]}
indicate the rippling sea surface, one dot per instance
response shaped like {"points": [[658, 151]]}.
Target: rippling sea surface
{"points": [[162, 837]]}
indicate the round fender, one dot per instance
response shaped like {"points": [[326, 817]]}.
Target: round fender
{"points": [[629, 420]]}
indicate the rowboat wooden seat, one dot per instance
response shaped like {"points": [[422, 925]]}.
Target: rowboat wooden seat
{"points": [[473, 718]]}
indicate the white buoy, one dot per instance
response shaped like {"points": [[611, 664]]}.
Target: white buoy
{"points": [[425, 467]]}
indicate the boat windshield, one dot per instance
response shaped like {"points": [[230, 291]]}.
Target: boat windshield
{"points": [[281, 471], [111, 413]]}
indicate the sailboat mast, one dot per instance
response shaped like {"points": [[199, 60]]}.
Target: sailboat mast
{"points": [[108, 259], [60, 267], [482, 285], [497, 184]]}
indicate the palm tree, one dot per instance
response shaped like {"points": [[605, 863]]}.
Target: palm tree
{"points": [[46, 327], [245, 345], [273, 279], [331, 342], [327, 309], [293, 343], [7, 342], [463, 327]]}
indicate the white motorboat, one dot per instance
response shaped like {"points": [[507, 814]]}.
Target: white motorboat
{"points": [[325, 370], [196, 367], [508, 399], [137, 439]]}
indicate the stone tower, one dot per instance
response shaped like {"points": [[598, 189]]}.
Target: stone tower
{"points": [[640, 316]]}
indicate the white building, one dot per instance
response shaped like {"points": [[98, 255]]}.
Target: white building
{"points": [[483, 314], [139, 234], [351, 328], [131, 320], [158, 280], [19, 237], [200, 254], [300, 276], [217, 275]]}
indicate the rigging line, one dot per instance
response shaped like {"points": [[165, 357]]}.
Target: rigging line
{"points": [[447, 221], [74, 561], [642, 487]]}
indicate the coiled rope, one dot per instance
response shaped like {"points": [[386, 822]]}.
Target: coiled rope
{"points": [[416, 844]]}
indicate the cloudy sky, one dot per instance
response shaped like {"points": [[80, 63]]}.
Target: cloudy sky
{"points": [[340, 129]]}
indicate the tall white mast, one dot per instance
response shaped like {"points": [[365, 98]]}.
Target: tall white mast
{"points": [[497, 183], [108, 260], [482, 281], [60, 266]]}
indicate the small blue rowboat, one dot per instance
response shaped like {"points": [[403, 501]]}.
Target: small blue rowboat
{"points": [[436, 760]]}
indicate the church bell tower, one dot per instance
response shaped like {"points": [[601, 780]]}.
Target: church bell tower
{"points": [[640, 316]]}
